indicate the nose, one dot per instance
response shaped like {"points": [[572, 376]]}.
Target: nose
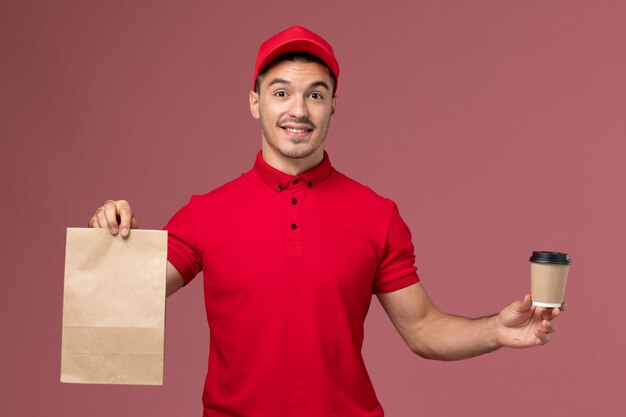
{"points": [[298, 108]]}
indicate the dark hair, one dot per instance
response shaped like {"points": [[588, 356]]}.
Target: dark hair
{"points": [[302, 57]]}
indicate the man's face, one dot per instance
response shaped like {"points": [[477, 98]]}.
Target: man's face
{"points": [[294, 104]]}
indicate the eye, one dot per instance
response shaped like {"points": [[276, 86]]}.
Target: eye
{"points": [[280, 93], [316, 96]]}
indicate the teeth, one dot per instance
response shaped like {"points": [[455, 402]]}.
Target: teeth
{"points": [[294, 130]]}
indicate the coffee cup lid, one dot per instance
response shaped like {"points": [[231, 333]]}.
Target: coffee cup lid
{"points": [[544, 257]]}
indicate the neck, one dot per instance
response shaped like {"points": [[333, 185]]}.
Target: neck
{"points": [[291, 166]]}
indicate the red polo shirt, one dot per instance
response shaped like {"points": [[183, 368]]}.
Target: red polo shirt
{"points": [[290, 265]]}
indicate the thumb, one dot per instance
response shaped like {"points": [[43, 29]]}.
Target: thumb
{"points": [[516, 312], [526, 303], [520, 306]]}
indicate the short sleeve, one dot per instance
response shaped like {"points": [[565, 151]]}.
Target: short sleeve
{"points": [[181, 243], [396, 268]]}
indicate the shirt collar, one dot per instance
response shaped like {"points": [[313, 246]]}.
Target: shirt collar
{"points": [[279, 180]]}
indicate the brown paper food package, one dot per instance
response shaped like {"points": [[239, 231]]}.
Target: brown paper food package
{"points": [[114, 307]]}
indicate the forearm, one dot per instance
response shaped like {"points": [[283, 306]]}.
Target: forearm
{"points": [[447, 337], [434, 334]]}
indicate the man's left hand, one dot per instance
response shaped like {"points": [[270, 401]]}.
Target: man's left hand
{"points": [[521, 324]]}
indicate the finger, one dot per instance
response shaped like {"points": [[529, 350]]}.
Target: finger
{"points": [[543, 332], [110, 212], [93, 222], [540, 312], [134, 224], [542, 338], [550, 313], [101, 218], [126, 214], [547, 327]]}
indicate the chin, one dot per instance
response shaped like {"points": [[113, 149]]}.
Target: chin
{"points": [[293, 150], [298, 154]]}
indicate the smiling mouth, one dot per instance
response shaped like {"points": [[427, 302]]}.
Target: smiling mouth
{"points": [[295, 130], [299, 132], [296, 126]]}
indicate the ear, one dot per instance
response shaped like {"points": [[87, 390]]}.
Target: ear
{"points": [[254, 105], [334, 108]]}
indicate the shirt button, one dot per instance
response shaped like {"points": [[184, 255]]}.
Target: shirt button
{"points": [[295, 182], [294, 226], [280, 188], [310, 184], [294, 201]]}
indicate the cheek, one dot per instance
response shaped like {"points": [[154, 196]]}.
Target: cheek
{"points": [[270, 114], [325, 117]]}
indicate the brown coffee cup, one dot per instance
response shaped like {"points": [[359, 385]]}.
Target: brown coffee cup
{"points": [[548, 278]]}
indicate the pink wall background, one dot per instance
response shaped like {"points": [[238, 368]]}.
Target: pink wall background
{"points": [[498, 126]]}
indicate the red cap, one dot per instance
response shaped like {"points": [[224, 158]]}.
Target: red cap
{"points": [[295, 39]]}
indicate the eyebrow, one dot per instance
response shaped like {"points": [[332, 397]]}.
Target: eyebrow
{"points": [[278, 81], [312, 85], [320, 84]]}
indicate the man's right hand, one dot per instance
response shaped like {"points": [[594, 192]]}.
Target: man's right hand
{"points": [[117, 216]]}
